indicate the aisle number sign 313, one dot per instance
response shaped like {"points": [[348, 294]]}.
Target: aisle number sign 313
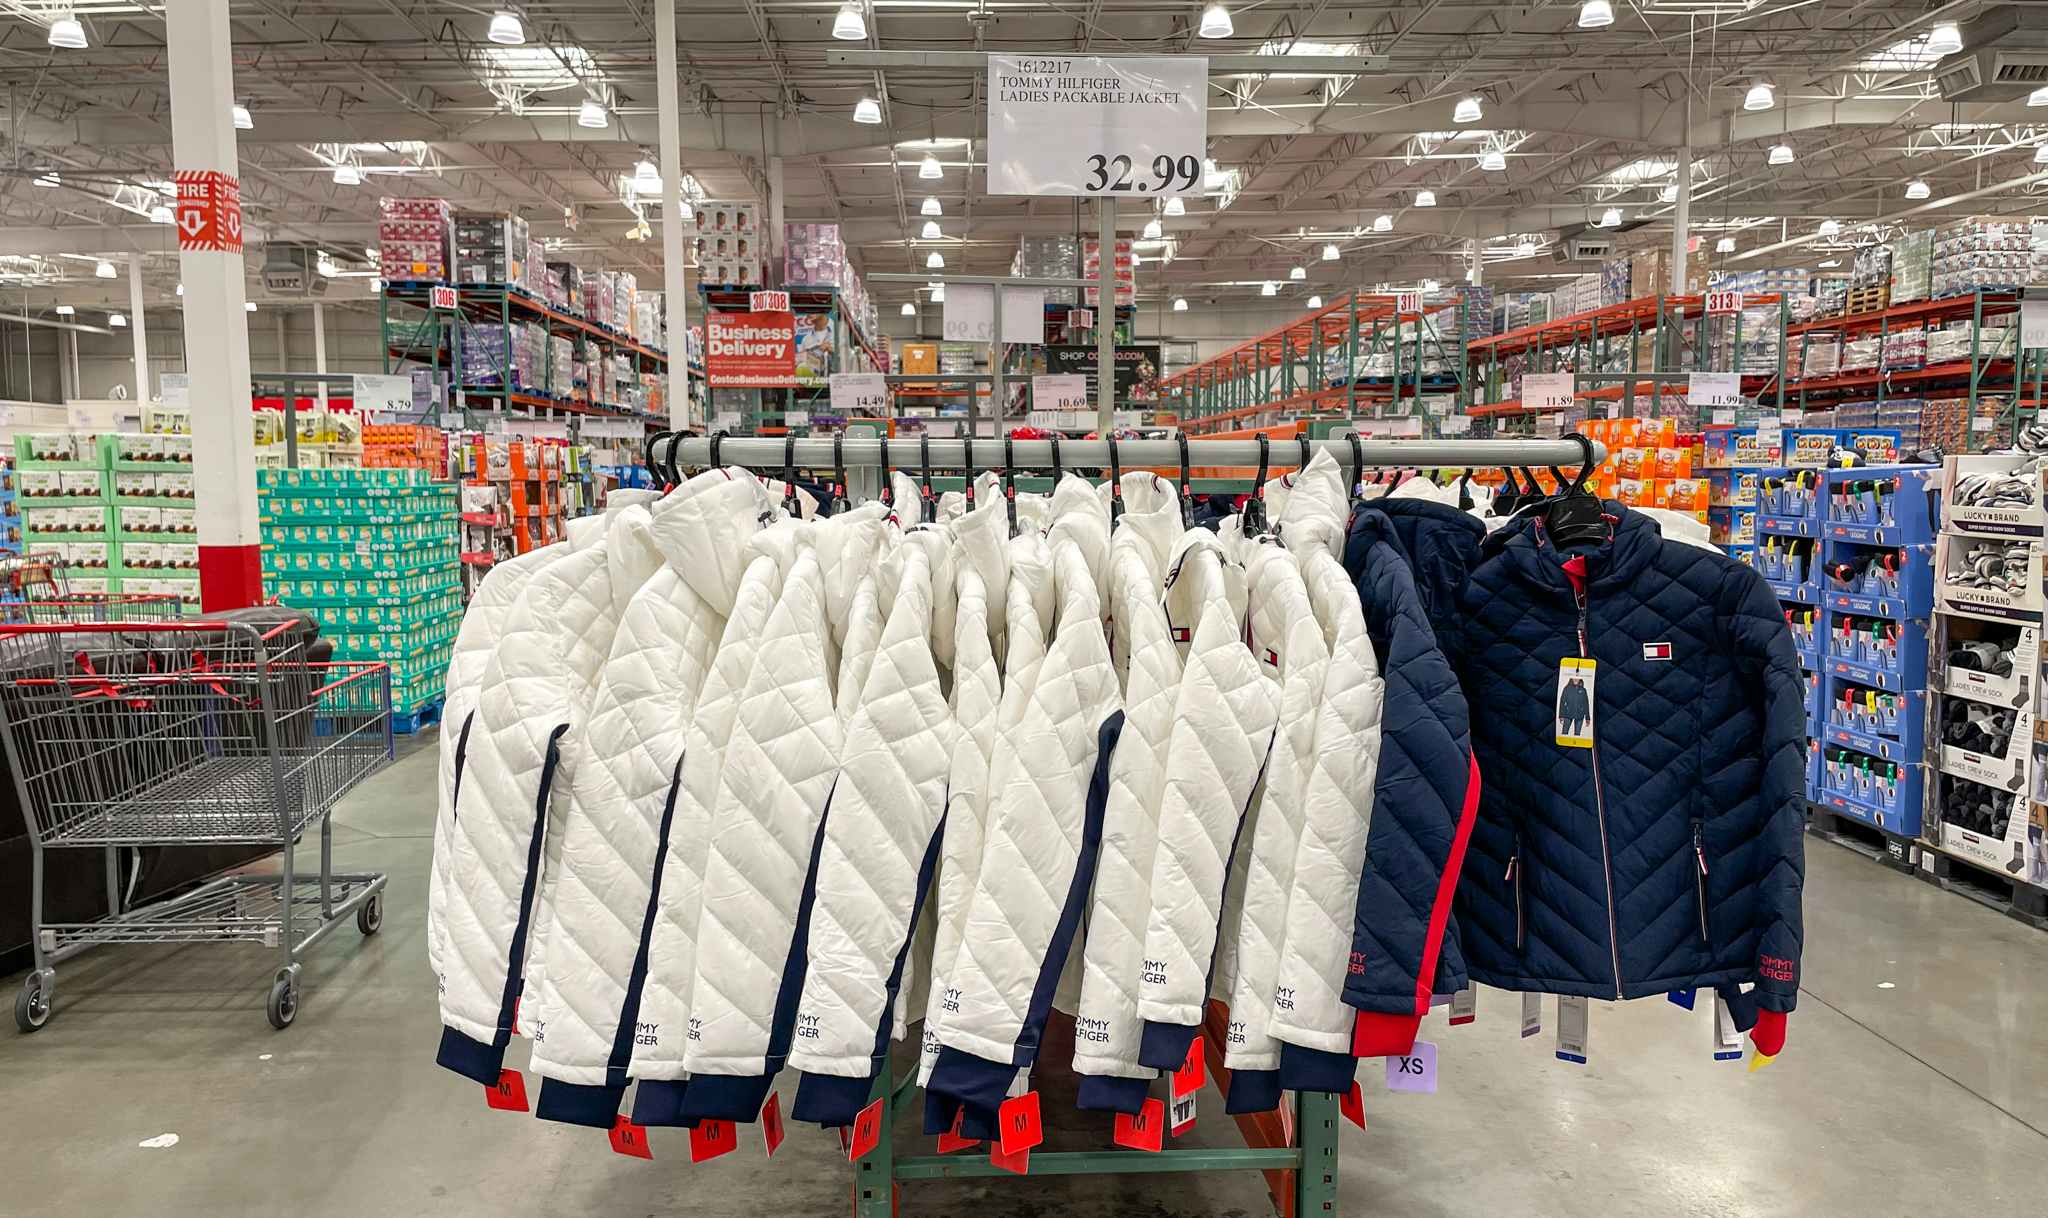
{"points": [[1093, 125]]}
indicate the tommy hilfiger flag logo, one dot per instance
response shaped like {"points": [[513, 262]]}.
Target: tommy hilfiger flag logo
{"points": [[1656, 651]]}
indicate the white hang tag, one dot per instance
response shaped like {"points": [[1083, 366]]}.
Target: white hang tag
{"points": [[1573, 1020], [1183, 1114], [1464, 1006], [1532, 1015], [1727, 1037], [1020, 1084], [1575, 702]]}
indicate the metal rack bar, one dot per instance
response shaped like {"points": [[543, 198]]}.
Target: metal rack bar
{"points": [[769, 452]]}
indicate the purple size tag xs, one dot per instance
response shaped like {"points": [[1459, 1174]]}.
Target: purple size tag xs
{"points": [[1414, 1072]]}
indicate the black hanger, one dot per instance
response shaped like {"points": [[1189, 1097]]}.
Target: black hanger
{"points": [[841, 497], [1010, 484], [924, 459], [1253, 519], [1357, 467], [1116, 484], [888, 476], [717, 438], [675, 444], [1059, 469], [1308, 452], [1187, 502], [1465, 491], [789, 501], [654, 469], [1575, 516], [967, 466]]}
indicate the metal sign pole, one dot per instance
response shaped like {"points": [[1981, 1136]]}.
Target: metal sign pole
{"points": [[1105, 321]]}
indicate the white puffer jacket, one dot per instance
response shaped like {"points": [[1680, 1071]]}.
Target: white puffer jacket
{"points": [[774, 792], [536, 691], [620, 813]]}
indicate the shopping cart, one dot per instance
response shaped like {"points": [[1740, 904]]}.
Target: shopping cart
{"points": [[174, 733]]}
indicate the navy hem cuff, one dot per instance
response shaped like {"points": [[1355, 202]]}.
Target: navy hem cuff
{"points": [[1252, 1091], [471, 1059], [830, 1100], [1316, 1070], [658, 1103], [974, 1081], [1164, 1046], [594, 1105], [726, 1097], [1101, 1093]]}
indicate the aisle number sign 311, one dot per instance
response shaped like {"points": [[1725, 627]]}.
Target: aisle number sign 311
{"points": [[1093, 125]]}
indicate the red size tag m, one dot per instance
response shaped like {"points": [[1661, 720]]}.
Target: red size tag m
{"points": [[952, 1139], [1019, 1162], [867, 1132], [711, 1139], [1145, 1131], [1017, 1124], [1353, 1105], [630, 1139], [508, 1093], [771, 1123], [1192, 1071]]}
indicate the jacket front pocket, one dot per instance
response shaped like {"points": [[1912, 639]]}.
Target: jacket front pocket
{"points": [[1699, 877]]}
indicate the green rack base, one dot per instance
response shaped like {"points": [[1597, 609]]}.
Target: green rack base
{"points": [[1302, 1177]]}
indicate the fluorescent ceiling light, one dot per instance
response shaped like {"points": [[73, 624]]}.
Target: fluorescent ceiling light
{"points": [[66, 32], [1315, 302], [1917, 189], [1180, 304], [65, 311], [1152, 229], [116, 320], [1425, 198], [1331, 253], [105, 270], [931, 207], [1725, 245], [934, 260], [646, 178], [2041, 155], [592, 114], [1526, 249], [162, 214], [1829, 228], [1297, 274], [49, 179], [1216, 22], [849, 26], [1594, 14], [1431, 285], [1668, 194], [1383, 224], [1781, 154], [1174, 207], [2038, 97], [1828, 264], [939, 294], [1759, 97], [929, 168], [506, 30], [868, 111], [181, 287], [1944, 38], [1269, 288], [243, 120], [1467, 110], [931, 231], [909, 309], [346, 174], [1610, 218], [248, 306], [1493, 160]]}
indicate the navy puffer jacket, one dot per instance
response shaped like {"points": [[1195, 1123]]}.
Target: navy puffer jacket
{"points": [[1670, 854]]}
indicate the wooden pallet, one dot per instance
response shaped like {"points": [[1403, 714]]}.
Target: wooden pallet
{"points": [[1889, 849], [1867, 300], [1991, 887]]}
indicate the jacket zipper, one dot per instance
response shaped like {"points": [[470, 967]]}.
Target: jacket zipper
{"points": [[1699, 854], [1514, 876], [1600, 808]]}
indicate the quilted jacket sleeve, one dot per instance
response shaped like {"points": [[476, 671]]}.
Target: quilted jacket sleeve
{"points": [[1766, 661]]}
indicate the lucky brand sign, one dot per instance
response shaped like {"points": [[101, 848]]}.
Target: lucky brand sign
{"points": [[750, 350]]}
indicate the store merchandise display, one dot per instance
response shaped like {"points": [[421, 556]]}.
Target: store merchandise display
{"points": [[1987, 253], [115, 508], [517, 496], [490, 248], [415, 240], [369, 554]]}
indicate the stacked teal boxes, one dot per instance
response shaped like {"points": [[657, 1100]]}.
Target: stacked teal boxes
{"points": [[372, 555]]}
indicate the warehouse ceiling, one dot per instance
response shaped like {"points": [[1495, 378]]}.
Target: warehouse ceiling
{"points": [[412, 97]]}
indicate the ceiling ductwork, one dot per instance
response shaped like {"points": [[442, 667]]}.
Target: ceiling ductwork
{"points": [[2006, 57]]}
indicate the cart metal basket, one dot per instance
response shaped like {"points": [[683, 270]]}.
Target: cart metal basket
{"points": [[133, 733]]}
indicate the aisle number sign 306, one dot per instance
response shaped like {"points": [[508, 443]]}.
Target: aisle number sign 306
{"points": [[1091, 125]]}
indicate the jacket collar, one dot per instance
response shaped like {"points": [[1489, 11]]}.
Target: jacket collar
{"points": [[1527, 552], [702, 529]]}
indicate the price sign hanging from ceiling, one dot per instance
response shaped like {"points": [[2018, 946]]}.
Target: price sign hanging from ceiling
{"points": [[1091, 125]]}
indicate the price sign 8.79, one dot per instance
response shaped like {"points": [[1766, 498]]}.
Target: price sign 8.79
{"points": [[1093, 125]]}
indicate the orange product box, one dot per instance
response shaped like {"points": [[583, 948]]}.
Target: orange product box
{"points": [[1674, 462], [1631, 462], [1632, 492], [1686, 494]]}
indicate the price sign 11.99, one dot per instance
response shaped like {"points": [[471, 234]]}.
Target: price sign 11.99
{"points": [[1090, 125]]}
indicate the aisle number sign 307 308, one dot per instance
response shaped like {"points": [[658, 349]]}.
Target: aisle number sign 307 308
{"points": [[1091, 125]]}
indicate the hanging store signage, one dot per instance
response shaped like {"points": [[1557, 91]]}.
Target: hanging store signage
{"points": [[2034, 324], [1089, 125], [1708, 390], [1059, 392], [1720, 304], [1547, 390], [750, 351], [1080, 319], [768, 302], [209, 213], [1137, 369], [992, 313], [1407, 302], [441, 298], [376, 391], [859, 393]]}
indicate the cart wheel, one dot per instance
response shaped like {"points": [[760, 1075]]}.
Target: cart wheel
{"points": [[370, 915], [32, 1004], [284, 1001]]}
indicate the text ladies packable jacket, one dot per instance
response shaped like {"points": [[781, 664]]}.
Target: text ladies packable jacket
{"points": [[537, 686], [1148, 665], [1669, 855], [1048, 783], [621, 810], [880, 844], [774, 794]]}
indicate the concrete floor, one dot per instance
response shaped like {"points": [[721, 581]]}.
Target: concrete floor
{"points": [[1915, 1082]]}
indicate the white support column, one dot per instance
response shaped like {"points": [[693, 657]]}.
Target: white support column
{"points": [[670, 130], [71, 346], [135, 327], [1681, 221], [1476, 265], [320, 349], [67, 385], [216, 325], [777, 207]]}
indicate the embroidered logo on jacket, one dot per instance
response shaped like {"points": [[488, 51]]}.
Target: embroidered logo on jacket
{"points": [[1656, 651], [1096, 1030], [1777, 968], [1154, 973]]}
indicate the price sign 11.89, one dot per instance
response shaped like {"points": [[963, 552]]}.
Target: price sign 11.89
{"points": [[1091, 125], [1547, 390]]}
